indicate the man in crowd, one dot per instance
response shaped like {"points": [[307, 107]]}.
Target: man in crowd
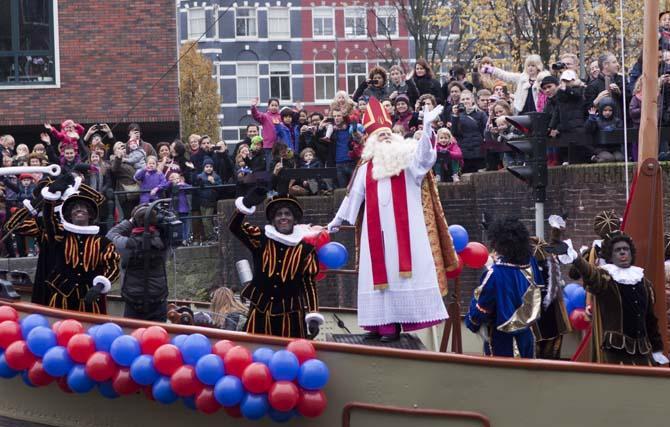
{"points": [[609, 83]]}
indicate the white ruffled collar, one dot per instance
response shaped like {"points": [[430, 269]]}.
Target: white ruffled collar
{"points": [[292, 239], [77, 229], [626, 276]]}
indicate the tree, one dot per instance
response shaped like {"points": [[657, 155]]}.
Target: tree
{"points": [[199, 99]]}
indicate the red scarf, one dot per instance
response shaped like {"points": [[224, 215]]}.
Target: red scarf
{"points": [[140, 230], [375, 234]]}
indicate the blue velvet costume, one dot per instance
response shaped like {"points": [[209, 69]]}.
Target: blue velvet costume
{"points": [[499, 295]]}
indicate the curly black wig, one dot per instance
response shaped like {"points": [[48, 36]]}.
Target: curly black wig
{"points": [[511, 240], [608, 246]]}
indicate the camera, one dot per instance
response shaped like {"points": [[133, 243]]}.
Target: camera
{"points": [[167, 221], [461, 108], [559, 66]]}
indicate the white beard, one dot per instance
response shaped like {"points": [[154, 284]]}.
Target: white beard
{"points": [[389, 158]]}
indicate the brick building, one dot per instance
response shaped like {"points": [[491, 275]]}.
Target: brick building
{"points": [[92, 62]]}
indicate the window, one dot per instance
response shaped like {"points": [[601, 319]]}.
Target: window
{"points": [[280, 81], [324, 81], [387, 21], [196, 23], [322, 22], [245, 22], [355, 24], [356, 73], [27, 52], [279, 22], [247, 82]]}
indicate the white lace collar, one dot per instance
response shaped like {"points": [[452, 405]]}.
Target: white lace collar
{"points": [[626, 276], [287, 239]]}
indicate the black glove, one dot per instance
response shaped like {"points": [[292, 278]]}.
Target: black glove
{"points": [[557, 248], [82, 168], [254, 197], [61, 184], [93, 293], [313, 328]]}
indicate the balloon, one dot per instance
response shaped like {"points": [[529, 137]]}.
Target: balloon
{"points": [[236, 360], [189, 402], [313, 375], [26, 379], [284, 365], [575, 297], [178, 340], [8, 313], [459, 236], [167, 359], [92, 330], [125, 349], [184, 382], [149, 392], [254, 406], [474, 255], [209, 369], [320, 275], [312, 403], [279, 416], [333, 255], [66, 330], [220, 348], [457, 271], [40, 339], [229, 391], [57, 361], [81, 347], [123, 383], [10, 331], [142, 370], [56, 325], [18, 356], [205, 401], [105, 335], [107, 390], [137, 333], [195, 346], [571, 288], [256, 378], [263, 355], [32, 321], [78, 381], [318, 240], [233, 411], [283, 396], [38, 376], [62, 384], [579, 320], [162, 391], [100, 366], [5, 370], [152, 338], [303, 349]]}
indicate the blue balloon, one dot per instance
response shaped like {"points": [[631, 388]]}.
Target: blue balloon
{"points": [[5, 370], [280, 416], [125, 349], [575, 297], [333, 255], [254, 406], [189, 402], [263, 355], [571, 288], [229, 391], [78, 381], [459, 235], [40, 339], [209, 369], [142, 370], [194, 347], [26, 379], [93, 330], [107, 390], [313, 375], [105, 336], [162, 391], [284, 366], [57, 362], [178, 340], [32, 321]]}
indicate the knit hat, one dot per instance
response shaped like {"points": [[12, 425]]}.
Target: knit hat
{"points": [[402, 98], [26, 176], [208, 161], [257, 139], [549, 80]]}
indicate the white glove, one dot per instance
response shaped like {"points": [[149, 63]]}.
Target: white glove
{"points": [[660, 358], [102, 280], [334, 225], [430, 116]]}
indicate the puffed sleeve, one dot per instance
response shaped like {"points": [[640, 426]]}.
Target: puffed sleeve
{"points": [[483, 304]]}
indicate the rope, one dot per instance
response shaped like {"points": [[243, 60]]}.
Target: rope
{"points": [[625, 104]]}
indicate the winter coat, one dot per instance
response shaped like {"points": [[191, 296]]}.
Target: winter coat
{"points": [[208, 196], [314, 164], [597, 123], [570, 113], [148, 181], [468, 128], [407, 87], [522, 82], [598, 85], [290, 136], [635, 110], [179, 197], [365, 89], [267, 121], [404, 120], [137, 158], [429, 85]]}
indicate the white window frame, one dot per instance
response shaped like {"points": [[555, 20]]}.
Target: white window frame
{"points": [[324, 77], [322, 11], [383, 13], [280, 76], [350, 89], [286, 35], [254, 16], [355, 13], [191, 34], [240, 78]]}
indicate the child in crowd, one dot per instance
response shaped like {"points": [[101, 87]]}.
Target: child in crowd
{"points": [[177, 187], [151, 179], [39, 149], [36, 160], [268, 121], [449, 156], [242, 159], [599, 123], [22, 153], [69, 135], [308, 159], [398, 130], [137, 157], [208, 196], [68, 160], [257, 155], [287, 131], [403, 113]]}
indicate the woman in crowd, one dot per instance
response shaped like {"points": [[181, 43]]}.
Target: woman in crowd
{"points": [[123, 176], [229, 313], [425, 82], [527, 83], [375, 85], [468, 127]]}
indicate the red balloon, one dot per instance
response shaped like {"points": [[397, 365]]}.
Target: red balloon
{"points": [[579, 320], [137, 333], [475, 255], [303, 350], [55, 326], [205, 401], [8, 313], [220, 348], [167, 359], [101, 367], [319, 239], [320, 275], [256, 378], [62, 384], [233, 411], [38, 376], [457, 271], [152, 338], [66, 330], [283, 395], [10, 331], [81, 347], [18, 356], [184, 381], [236, 360], [123, 384], [312, 403], [149, 392]]}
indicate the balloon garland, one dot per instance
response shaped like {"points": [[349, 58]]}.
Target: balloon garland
{"points": [[470, 254], [206, 377]]}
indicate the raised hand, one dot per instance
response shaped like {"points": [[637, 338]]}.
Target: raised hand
{"points": [[430, 116]]}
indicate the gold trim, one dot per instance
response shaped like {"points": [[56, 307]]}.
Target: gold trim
{"points": [[528, 312]]}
